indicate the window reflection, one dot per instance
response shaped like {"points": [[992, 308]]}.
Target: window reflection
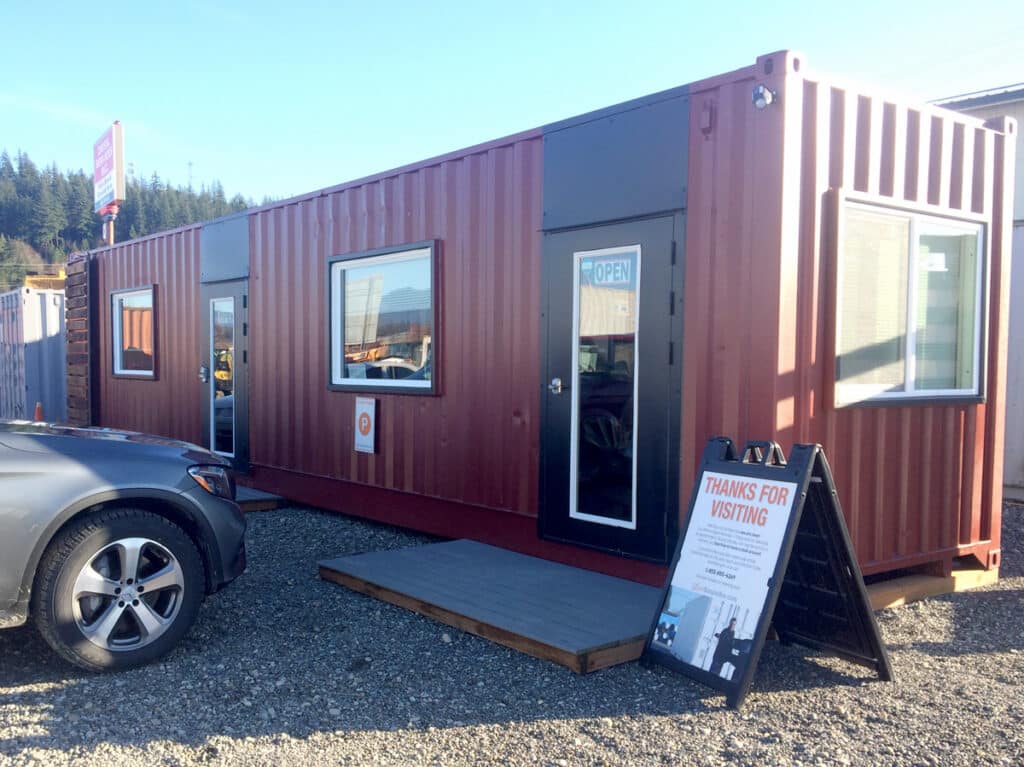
{"points": [[387, 324], [606, 381], [223, 352]]}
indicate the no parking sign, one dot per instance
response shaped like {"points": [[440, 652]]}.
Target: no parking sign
{"points": [[366, 425]]}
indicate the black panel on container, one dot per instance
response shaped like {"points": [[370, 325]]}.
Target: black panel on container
{"points": [[224, 249], [619, 163]]}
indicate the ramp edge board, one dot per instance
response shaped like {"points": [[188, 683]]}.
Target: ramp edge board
{"points": [[250, 499], [913, 588], [591, 659]]}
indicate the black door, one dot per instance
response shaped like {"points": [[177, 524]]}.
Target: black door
{"points": [[610, 416], [223, 367]]}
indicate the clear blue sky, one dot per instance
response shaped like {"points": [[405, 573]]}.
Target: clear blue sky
{"points": [[281, 98]]}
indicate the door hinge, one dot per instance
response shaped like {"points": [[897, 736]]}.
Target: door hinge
{"points": [[245, 329], [671, 352], [671, 302], [673, 252], [245, 357], [245, 298]]}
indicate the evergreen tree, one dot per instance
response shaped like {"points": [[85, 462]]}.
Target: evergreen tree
{"points": [[46, 215]]}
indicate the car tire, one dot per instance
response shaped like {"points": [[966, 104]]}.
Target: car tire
{"points": [[117, 589]]}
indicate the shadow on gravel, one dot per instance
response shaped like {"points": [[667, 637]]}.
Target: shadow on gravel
{"points": [[1012, 541], [282, 653], [980, 621], [986, 621], [188, 701]]}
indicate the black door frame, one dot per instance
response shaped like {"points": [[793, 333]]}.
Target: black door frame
{"points": [[659, 420]]}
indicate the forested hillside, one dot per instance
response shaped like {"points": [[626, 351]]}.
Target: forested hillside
{"points": [[45, 214]]}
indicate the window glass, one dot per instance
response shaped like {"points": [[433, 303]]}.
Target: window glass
{"points": [[383, 320], [133, 333], [603, 472], [945, 316], [872, 337], [908, 319]]}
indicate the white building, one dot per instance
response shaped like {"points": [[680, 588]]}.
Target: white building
{"points": [[1009, 101]]}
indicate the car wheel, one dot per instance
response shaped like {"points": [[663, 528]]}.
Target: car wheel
{"points": [[117, 589]]}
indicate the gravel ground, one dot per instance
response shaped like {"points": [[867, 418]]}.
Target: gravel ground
{"points": [[283, 668]]}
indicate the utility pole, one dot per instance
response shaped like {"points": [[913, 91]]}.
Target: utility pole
{"points": [[109, 214]]}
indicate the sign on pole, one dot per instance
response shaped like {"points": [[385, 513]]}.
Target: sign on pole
{"points": [[764, 546], [108, 168]]}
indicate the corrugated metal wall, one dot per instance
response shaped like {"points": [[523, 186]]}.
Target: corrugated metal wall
{"points": [[12, 357], [918, 483], [32, 354], [477, 442], [168, 404]]}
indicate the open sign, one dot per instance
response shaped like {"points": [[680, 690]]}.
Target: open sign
{"points": [[612, 271]]}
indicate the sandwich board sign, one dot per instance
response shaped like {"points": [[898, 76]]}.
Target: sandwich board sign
{"points": [[764, 546]]}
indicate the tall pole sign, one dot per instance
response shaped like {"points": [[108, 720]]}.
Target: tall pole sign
{"points": [[108, 177]]}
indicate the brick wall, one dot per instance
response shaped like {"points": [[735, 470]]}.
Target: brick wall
{"points": [[77, 317]]}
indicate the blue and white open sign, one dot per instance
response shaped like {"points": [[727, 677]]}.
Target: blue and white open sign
{"points": [[610, 271]]}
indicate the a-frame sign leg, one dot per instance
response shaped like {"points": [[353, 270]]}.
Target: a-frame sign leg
{"points": [[824, 603]]}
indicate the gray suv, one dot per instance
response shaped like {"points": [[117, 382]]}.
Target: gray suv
{"points": [[110, 540]]}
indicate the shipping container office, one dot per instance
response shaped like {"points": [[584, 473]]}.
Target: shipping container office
{"points": [[558, 320]]}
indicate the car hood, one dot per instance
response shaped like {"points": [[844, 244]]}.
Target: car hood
{"points": [[26, 435]]}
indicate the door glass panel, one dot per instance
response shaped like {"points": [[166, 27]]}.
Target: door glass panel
{"points": [[222, 346], [605, 325]]}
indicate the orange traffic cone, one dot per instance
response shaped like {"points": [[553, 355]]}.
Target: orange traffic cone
{"points": [[38, 416]]}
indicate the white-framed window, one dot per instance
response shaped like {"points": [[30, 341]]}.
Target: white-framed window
{"points": [[133, 331], [383, 319], [910, 295]]}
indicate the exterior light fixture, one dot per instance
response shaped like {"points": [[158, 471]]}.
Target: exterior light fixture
{"points": [[763, 96]]}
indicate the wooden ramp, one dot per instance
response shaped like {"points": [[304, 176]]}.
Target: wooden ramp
{"points": [[251, 499], [580, 619]]}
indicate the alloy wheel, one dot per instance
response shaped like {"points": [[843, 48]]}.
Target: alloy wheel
{"points": [[128, 594]]}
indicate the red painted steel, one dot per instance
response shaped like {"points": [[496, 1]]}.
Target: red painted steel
{"points": [[169, 403], [919, 483], [477, 441]]}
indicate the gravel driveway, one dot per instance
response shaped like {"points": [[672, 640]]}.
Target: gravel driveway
{"points": [[283, 668]]}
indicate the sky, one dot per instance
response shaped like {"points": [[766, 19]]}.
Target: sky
{"points": [[275, 99]]}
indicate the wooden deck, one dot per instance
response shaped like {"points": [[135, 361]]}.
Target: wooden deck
{"points": [[580, 619]]}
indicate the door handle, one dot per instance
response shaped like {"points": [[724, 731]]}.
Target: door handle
{"points": [[204, 373], [556, 387]]}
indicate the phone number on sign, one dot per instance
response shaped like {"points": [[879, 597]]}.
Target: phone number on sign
{"points": [[720, 573]]}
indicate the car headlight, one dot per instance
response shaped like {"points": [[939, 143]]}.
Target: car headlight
{"points": [[215, 480]]}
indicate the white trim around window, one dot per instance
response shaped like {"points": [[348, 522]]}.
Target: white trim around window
{"points": [[382, 309], [910, 301], [133, 332]]}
